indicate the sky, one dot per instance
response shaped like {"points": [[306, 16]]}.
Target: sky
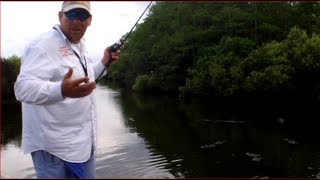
{"points": [[22, 21]]}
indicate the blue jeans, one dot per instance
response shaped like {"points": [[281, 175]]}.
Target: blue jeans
{"points": [[49, 166]]}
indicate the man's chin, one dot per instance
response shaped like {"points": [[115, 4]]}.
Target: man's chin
{"points": [[76, 38]]}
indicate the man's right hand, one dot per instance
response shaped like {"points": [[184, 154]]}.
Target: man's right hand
{"points": [[73, 88]]}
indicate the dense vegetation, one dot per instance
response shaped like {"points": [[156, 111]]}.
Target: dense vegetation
{"points": [[10, 68], [217, 49], [224, 49]]}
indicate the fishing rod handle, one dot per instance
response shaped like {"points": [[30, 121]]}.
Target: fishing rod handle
{"points": [[114, 48]]}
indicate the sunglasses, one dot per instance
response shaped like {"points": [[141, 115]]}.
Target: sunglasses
{"points": [[81, 15]]}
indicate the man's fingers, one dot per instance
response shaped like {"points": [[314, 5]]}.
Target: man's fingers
{"points": [[78, 90], [80, 80], [75, 88], [84, 89], [76, 81], [88, 86], [69, 73]]}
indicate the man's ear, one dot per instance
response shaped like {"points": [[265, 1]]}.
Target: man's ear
{"points": [[89, 21], [60, 15]]}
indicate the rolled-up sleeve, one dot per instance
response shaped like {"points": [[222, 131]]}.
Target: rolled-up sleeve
{"points": [[35, 83]]}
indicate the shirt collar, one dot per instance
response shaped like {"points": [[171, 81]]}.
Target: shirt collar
{"points": [[57, 27]]}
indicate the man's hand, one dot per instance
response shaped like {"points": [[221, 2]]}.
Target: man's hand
{"points": [[74, 88], [106, 56]]}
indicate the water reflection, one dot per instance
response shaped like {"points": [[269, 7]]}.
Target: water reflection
{"points": [[122, 153], [11, 127], [222, 139], [164, 126], [144, 136], [13, 162]]}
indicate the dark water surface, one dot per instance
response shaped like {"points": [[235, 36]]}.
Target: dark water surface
{"points": [[141, 136]]}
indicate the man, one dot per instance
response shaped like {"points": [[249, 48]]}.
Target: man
{"points": [[55, 87]]}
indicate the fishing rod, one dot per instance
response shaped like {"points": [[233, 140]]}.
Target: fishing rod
{"points": [[119, 45]]}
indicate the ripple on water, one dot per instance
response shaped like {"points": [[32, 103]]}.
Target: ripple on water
{"points": [[131, 161]]}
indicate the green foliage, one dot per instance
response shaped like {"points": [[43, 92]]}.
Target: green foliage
{"points": [[223, 49], [276, 67], [144, 83], [10, 68], [285, 65]]}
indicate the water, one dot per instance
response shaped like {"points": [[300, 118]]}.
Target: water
{"points": [[121, 152], [141, 136]]}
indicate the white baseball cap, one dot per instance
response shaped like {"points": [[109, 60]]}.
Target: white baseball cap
{"points": [[68, 5]]}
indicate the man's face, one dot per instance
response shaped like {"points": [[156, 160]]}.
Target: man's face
{"points": [[74, 23]]}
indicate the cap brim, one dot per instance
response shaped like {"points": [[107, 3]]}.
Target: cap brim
{"points": [[74, 6]]}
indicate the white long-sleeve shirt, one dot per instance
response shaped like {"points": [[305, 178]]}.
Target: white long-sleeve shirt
{"points": [[64, 127]]}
